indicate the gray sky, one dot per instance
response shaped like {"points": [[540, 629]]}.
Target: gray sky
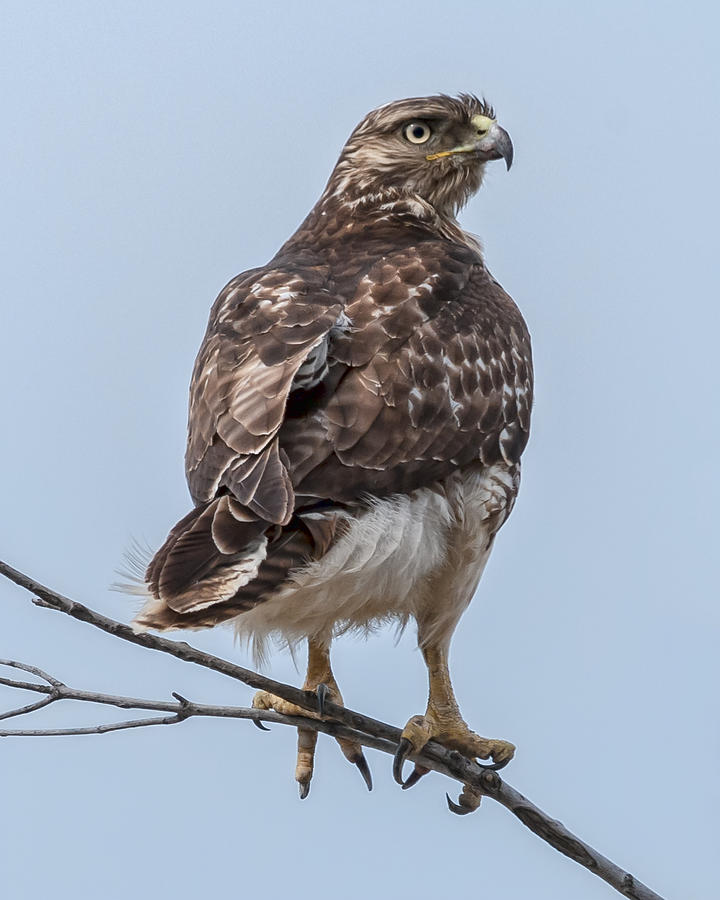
{"points": [[151, 152]]}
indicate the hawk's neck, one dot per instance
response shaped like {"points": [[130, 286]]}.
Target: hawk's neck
{"points": [[340, 217]]}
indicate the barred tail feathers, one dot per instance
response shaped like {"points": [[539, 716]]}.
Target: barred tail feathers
{"points": [[208, 556], [220, 560]]}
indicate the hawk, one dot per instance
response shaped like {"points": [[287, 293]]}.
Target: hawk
{"points": [[358, 410]]}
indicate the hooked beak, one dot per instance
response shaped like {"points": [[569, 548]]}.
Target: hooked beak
{"points": [[496, 144]]}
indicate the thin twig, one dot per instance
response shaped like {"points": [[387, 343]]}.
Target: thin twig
{"points": [[183, 709], [26, 685], [92, 729], [23, 710], [341, 722], [32, 670]]}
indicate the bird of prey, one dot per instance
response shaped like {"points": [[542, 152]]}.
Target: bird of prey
{"points": [[358, 410]]}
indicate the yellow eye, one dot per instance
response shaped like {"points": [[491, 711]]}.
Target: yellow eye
{"points": [[417, 132]]}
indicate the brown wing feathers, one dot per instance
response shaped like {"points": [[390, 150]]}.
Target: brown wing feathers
{"points": [[450, 387], [421, 367]]}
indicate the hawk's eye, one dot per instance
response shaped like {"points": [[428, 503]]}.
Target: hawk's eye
{"points": [[417, 132]]}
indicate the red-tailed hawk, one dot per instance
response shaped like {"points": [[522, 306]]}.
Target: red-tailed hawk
{"points": [[358, 410]]}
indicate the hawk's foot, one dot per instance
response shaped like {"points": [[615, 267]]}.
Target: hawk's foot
{"points": [[266, 700], [307, 738], [452, 732]]}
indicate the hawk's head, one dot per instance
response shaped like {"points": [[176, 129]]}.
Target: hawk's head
{"points": [[432, 147]]}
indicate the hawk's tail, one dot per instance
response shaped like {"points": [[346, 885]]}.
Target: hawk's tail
{"points": [[220, 561]]}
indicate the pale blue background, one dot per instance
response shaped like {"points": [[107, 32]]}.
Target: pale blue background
{"points": [[152, 151]]}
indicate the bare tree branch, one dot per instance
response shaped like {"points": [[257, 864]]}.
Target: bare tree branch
{"points": [[25, 709], [32, 670], [181, 707], [337, 721], [92, 729]]}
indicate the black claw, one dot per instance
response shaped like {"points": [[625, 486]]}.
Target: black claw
{"points": [[456, 808], [401, 754], [415, 776], [364, 770], [493, 767], [303, 789], [322, 691], [258, 724]]}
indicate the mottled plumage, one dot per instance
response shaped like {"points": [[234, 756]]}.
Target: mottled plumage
{"points": [[373, 356], [358, 410]]}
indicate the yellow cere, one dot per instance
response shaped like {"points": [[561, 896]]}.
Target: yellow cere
{"points": [[482, 123]]}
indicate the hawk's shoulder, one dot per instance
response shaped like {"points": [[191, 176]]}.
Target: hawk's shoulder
{"points": [[262, 328]]}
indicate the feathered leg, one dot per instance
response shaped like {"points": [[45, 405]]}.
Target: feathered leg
{"points": [[320, 679]]}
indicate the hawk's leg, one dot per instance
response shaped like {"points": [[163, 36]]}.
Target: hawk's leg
{"points": [[442, 722], [319, 678]]}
